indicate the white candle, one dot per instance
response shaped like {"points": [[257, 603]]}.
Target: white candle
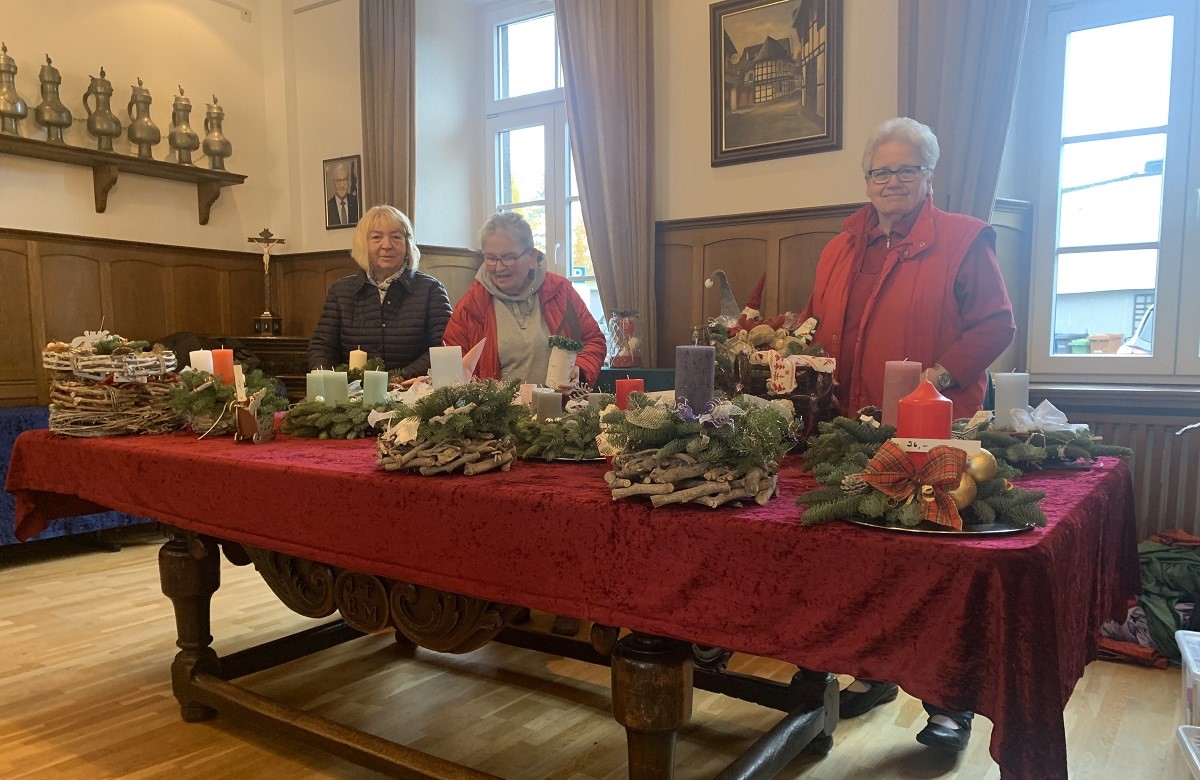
{"points": [[358, 359], [374, 387], [315, 385], [547, 404], [337, 387], [900, 377], [1012, 392], [525, 394], [239, 381], [445, 366], [201, 360]]}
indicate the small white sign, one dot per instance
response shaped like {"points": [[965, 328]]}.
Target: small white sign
{"points": [[969, 446]]}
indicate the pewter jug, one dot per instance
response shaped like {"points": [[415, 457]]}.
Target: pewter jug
{"points": [[12, 108], [142, 130], [182, 138], [51, 113], [216, 145], [102, 122]]}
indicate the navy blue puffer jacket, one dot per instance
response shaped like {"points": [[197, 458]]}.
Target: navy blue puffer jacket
{"points": [[400, 330]]}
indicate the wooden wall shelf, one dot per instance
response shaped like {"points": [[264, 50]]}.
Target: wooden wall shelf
{"points": [[106, 166]]}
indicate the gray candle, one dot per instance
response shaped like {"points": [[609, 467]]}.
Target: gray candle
{"points": [[547, 404], [695, 370]]}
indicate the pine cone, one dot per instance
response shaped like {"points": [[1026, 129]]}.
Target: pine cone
{"points": [[854, 484]]}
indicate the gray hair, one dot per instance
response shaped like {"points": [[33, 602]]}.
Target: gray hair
{"points": [[511, 224], [911, 132]]}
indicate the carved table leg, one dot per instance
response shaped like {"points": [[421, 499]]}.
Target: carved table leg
{"points": [[189, 567], [652, 698]]}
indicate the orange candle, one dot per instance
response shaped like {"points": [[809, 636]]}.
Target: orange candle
{"points": [[924, 414], [625, 387], [223, 364]]}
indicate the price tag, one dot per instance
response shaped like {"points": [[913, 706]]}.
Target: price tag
{"points": [[969, 446]]}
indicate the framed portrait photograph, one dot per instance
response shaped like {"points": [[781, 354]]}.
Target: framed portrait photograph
{"points": [[776, 78], [343, 191]]}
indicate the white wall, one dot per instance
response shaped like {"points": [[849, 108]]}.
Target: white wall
{"points": [[685, 183], [289, 85], [327, 118], [204, 46]]}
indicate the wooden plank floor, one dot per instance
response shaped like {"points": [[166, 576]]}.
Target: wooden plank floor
{"points": [[86, 638]]}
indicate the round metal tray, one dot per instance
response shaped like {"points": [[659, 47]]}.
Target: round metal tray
{"points": [[933, 529]]}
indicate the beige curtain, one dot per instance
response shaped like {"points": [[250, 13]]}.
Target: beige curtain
{"points": [[607, 48], [387, 41], [958, 72]]}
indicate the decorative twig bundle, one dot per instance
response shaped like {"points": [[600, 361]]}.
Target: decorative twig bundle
{"points": [[730, 453], [455, 428]]}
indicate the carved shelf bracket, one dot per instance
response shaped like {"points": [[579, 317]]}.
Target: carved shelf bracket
{"points": [[106, 166]]}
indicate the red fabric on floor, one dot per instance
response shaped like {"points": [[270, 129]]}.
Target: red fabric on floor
{"points": [[1001, 625]]}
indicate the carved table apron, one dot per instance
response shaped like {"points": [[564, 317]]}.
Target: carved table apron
{"points": [[652, 677]]}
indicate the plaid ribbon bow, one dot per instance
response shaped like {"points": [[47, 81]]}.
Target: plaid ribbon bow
{"points": [[893, 473]]}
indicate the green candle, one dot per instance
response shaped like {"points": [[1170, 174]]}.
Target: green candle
{"points": [[374, 387]]}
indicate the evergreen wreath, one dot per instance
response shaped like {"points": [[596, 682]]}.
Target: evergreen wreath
{"points": [[839, 455], [570, 437], [189, 401], [455, 427], [1037, 450], [319, 420]]}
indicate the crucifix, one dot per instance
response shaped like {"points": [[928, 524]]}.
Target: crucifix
{"points": [[266, 324]]}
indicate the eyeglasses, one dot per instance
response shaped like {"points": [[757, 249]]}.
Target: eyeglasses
{"points": [[906, 174], [505, 260]]}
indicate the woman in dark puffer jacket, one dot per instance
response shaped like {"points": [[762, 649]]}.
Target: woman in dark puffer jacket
{"points": [[388, 308]]}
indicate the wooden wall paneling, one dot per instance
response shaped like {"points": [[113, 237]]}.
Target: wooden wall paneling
{"points": [[71, 297], [200, 300], [139, 308], [37, 317], [301, 288], [243, 298], [798, 256], [20, 364], [744, 261], [679, 298]]}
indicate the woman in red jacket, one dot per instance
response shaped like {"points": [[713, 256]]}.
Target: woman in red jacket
{"points": [[906, 280], [516, 304]]}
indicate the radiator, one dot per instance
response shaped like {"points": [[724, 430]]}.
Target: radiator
{"points": [[1166, 467]]}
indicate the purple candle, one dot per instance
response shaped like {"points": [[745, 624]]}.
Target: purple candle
{"points": [[900, 377], [695, 371]]}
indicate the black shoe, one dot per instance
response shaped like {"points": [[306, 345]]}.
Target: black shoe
{"points": [[851, 704], [940, 737]]}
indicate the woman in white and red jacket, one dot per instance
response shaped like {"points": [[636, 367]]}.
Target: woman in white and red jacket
{"points": [[516, 304]]}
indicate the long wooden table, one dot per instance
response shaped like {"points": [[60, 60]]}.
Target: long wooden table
{"points": [[1002, 625]]}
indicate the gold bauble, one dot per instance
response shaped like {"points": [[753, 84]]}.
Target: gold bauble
{"points": [[982, 466], [964, 495], [1007, 485]]}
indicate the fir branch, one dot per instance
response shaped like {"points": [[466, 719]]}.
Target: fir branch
{"points": [[567, 343]]}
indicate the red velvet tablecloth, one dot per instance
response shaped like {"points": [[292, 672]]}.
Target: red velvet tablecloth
{"points": [[1000, 625]]}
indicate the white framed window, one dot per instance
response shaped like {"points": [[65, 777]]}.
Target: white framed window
{"points": [[529, 168], [1112, 294]]}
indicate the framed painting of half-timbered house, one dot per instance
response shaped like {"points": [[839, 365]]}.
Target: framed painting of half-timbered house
{"points": [[776, 78]]}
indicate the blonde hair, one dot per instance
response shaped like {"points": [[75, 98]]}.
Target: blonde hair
{"points": [[910, 131], [391, 218]]}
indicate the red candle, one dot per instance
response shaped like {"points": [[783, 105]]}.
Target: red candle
{"points": [[924, 414], [223, 364], [625, 387]]}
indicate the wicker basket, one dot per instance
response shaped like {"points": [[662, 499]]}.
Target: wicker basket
{"points": [[813, 397], [110, 395], [83, 408]]}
